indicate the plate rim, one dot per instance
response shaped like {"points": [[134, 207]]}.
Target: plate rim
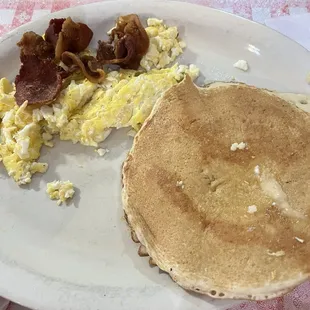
{"points": [[12, 32]]}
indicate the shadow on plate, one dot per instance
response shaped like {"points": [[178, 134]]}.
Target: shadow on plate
{"points": [[75, 200]]}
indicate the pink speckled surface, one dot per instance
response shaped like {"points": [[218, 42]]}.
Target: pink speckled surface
{"points": [[14, 13]]}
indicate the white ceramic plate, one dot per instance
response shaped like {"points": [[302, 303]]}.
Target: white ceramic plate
{"points": [[82, 257]]}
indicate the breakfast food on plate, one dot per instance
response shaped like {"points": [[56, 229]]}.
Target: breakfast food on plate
{"points": [[165, 45], [21, 138], [215, 187], [60, 191], [74, 62], [127, 103], [64, 89], [40, 78], [129, 42], [101, 152], [66, 35], [242, 65], [230, 224], [38, 81]]}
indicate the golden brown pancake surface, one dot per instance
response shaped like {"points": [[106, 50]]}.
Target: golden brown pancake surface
{"points": [[187, 195]]}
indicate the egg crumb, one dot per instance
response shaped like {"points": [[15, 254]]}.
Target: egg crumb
{"points": [[242, 65], [60, 191], [102, 152], [47, 137]]}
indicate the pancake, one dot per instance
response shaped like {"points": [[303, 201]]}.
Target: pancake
{"points": [[223, 221]]}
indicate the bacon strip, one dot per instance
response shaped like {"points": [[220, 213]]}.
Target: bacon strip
{"points": [[129, 42], [33, 44], [39, 81], [66, 35], [94, 75]]}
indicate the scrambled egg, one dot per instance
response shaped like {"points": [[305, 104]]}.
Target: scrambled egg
{"points": [[7, 100], [71, 98], [127, 104], [21, 139], [165, 45], [86, 112], [60, 190]]}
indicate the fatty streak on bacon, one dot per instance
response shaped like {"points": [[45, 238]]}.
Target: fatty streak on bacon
{"points": [[66, 35], [53, 30], [128, 43], [95, 75], [33, 44], [70, 38]]}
